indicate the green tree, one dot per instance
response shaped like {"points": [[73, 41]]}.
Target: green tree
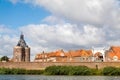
{"points": [[5, 58]]}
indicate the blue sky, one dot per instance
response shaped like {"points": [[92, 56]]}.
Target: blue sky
{"points": [[50, 25], [15, 15]]}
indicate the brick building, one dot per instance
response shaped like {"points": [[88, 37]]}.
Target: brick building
{"points": [[21, 52]]}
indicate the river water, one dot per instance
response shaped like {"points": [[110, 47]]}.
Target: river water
{"points": [[41, 77]]}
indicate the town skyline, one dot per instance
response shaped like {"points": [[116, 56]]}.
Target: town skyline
{"points": [[50, 26]]}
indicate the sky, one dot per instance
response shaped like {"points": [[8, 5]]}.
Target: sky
{"points": [[50, 25]]}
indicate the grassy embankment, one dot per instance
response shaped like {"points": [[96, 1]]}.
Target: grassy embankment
{"points": [[64, 70]]}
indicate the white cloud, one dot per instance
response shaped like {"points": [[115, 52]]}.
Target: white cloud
{"points": [[115, 42], [14, 1], [74, 24], [63, 36], [95, 12], [53, 20], [43, 37], [4, 29], [7, 41]]}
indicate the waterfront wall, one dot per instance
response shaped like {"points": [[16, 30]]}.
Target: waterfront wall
{"points": [[43, 65]]}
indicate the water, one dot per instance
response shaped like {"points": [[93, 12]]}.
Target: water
{"points": [[41, 77]]}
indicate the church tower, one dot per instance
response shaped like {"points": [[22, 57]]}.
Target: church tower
{"points": [[21, 52]]}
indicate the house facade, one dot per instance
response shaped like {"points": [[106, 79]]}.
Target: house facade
{"points": [[96, 54], [61, 56], [113, 54]]}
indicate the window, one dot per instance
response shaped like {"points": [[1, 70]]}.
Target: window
{"points": [[115, 58]]}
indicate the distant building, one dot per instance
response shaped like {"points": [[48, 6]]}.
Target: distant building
{"points": [[113, 54], [96, 54], [21, 52], [61, 56]]}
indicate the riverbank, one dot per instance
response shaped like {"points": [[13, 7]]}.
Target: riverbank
{"points": [[64, 70]]}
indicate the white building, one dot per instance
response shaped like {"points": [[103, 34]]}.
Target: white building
{"points": [[100, 51]]}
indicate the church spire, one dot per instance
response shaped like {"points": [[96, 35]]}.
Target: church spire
{"points": [[22, 42], [22, 36], [21, 52]]}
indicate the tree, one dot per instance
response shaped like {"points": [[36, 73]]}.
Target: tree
{"points": [[5, 58]]}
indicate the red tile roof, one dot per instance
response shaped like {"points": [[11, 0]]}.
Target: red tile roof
{"points": [[114, 51]]}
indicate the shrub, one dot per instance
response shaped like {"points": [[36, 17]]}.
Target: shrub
{"points": [[96, 72], [19, 71], [52, 70], [80, 70], [68, 70], [111, 71], [64, 70], [2, 71], [34, 72], [4, 58]]}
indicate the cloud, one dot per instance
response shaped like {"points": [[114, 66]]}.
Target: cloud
{"points": [[65, 36], [74, 24], [14, 1], [53, 20], [43, 37], [7, 41], [4, 29], [94, 12], [102, 16], [115, 42]]}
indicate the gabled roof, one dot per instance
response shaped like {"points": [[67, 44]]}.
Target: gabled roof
{"points": [[58, 53], [80, 53], [61, 53], [114, 51], [98, 54]]}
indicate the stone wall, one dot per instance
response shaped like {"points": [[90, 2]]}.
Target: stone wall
{"points": [[43, 65]]}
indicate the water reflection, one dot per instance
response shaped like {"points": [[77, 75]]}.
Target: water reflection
{"points": [[39, 77]]}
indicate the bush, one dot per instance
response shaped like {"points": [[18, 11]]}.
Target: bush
{"points": [[4, 58], [64, 70], [3, 71], [11, 71], [34, 72], [68, 70], [19, 71], [80, 70], [52, 70], [111, 71], [96, 72]]}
